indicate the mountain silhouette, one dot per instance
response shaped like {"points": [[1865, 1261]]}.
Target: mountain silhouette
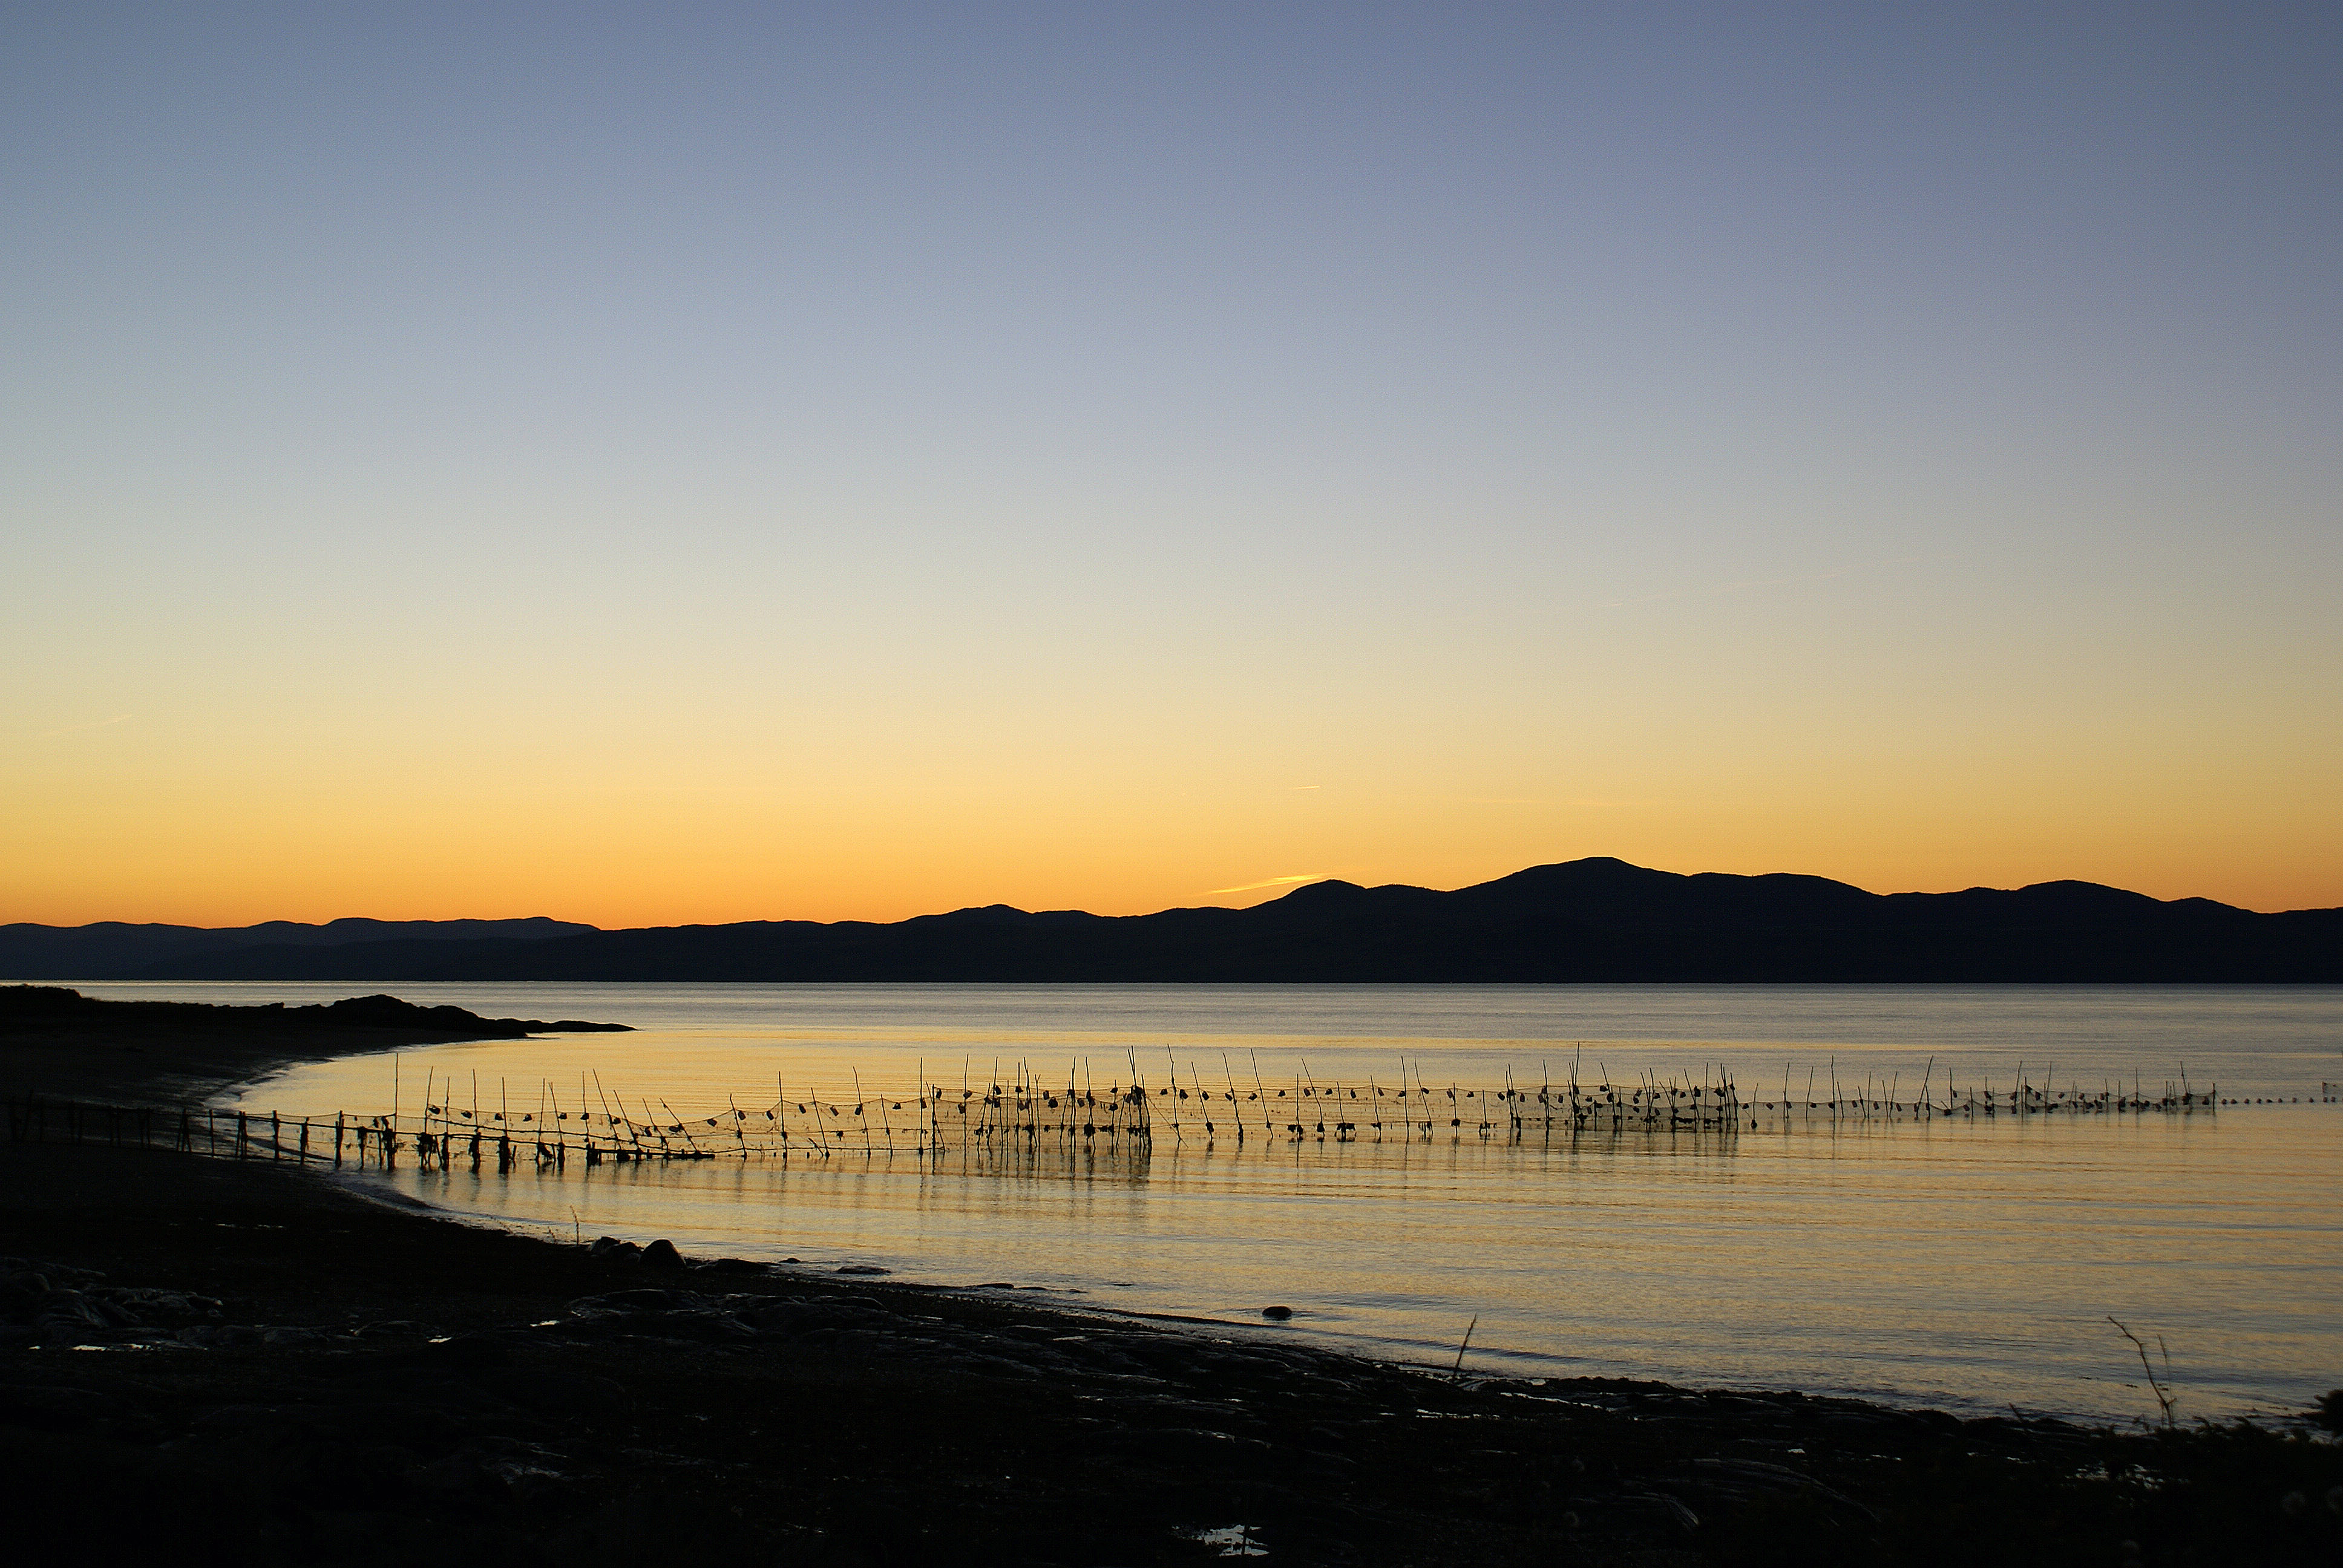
{"points": [[1594, 919], [110, 949]]}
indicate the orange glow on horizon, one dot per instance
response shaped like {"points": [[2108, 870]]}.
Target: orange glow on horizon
{"points": [[225, 813], [613, 860]]}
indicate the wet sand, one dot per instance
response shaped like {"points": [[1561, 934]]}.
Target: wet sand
{"points": [[239, 1361]]}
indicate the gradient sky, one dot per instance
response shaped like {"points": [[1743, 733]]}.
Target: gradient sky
{"points": [[696, 463]]}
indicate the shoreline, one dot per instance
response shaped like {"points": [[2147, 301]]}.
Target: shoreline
{"points": [[59, 1044], [1080, 1297], [1517, 1368], [360, 1378], [1085, 1302]]}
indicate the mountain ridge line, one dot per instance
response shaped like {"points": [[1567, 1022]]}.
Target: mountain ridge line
{"points": [[1593, 920]]}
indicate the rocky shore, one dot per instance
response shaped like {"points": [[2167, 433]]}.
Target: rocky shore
{"points": [[241, 1362], [58, 1043]]}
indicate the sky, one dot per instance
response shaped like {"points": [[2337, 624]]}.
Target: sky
{"points": [[670, 464]]}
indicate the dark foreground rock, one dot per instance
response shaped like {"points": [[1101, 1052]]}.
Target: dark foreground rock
{"points": [[224, 1364]]}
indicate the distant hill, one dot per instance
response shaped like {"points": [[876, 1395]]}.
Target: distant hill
{"points": [[113, 950], [1592, 919]]}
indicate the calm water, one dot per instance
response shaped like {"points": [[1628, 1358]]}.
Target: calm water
{"points": [[1970, 1266]]}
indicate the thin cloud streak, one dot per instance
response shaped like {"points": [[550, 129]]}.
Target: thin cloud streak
{"points": [[1588, 804], [1273, 883], [93, 724]]}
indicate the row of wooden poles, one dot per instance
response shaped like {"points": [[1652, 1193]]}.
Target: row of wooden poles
{"points": [[1409, 1107], [203, 1130], [599, 1125]]}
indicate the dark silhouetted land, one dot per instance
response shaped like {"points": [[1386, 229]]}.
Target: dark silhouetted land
{"points": [[58, 1042], [1593, 920], [111, 949]]}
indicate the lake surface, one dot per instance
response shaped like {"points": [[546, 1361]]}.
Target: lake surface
{"points": [[1969, 1265]]}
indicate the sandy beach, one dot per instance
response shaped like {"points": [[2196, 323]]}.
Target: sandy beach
{"points": [[240, 1361]]}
